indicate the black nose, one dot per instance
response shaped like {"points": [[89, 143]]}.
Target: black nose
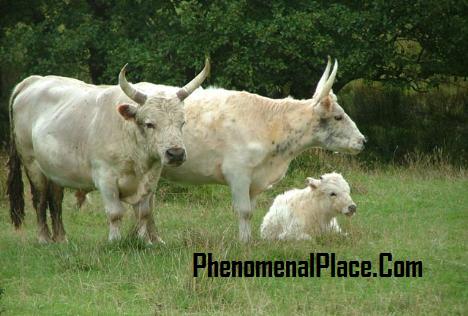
{"points": [[352, 208], [175, 154]]}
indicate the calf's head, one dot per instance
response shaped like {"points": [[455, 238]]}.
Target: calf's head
{"points": [[160, 118], [333, 193], [333, 128]]}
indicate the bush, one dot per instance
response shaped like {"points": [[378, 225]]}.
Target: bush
{"points": [[274, 48], [399, 122]]}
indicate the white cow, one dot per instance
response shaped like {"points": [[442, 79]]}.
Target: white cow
{"points": [[115, 139], [301, 213], [247, 141]]}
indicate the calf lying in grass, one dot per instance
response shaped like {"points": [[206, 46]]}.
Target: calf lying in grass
{"points": [[301, 213]]}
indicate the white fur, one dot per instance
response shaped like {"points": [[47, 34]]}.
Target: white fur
{"points": [[247, 141], [301, 213], [80, 136]]}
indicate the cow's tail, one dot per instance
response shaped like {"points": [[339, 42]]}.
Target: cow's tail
{"points": [[15, 188]]}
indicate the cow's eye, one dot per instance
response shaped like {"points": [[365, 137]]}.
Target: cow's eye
{"points": [[339, 117], [149, 125], [182, 125], [333, 194]]}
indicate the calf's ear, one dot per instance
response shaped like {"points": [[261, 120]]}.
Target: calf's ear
{"points": [[312, 183], [128, 111]]}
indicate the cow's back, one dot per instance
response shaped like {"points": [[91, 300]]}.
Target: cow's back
{"points": [[38, 97]]}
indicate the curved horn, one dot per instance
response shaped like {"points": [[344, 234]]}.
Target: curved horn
{"points": [[323, 79], [196, 82], [137, 96], [328, 85]]}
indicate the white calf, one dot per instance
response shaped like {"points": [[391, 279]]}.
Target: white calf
{"points": [[301, 213]]}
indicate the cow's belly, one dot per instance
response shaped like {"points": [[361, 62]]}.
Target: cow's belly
{"points": [[193, 171], [61, 161], [267, 175], [194, 176]]}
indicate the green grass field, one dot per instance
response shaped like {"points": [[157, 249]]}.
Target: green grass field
{"points": [[417, 213]]}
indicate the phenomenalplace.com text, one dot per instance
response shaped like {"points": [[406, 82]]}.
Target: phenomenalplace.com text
{"points": [[316, 265]]}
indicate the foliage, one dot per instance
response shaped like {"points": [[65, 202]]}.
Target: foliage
{"points": [[274, 48], [262, 46], [397, 123]]}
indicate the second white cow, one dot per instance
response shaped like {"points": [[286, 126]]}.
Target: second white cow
{"points": [[247, 141]]}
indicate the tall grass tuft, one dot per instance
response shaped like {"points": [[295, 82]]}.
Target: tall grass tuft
{"points": [[437, 162]]}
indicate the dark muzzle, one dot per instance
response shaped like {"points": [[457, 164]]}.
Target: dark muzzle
{"points": [[352, 209], [175, 156]]}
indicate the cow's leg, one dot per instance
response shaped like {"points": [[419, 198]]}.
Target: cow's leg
{"points": [[80, 196], [114, 208], [145, 226], [253, 198], [240, 186], [115, 211], [253, 202], [38, 183], [55, 199]]}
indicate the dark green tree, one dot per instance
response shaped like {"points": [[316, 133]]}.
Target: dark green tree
{"points": [[274, 48]]}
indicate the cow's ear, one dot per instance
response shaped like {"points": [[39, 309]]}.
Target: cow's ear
{"points": [[312, 183], [326, 103], [128, 111]]}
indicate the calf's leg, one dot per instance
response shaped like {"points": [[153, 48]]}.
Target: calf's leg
{"points": [[333, 226]]}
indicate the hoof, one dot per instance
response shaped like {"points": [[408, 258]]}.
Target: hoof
{"points": [[44, 239], [60, 239], [115, 237], [245, 239], [160, 241], [152, 239]]}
